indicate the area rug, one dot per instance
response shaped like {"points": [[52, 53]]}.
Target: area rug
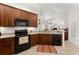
{"points": [[46, 48]]}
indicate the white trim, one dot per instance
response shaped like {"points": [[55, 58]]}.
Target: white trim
{"points": [[63, 41], [74, 40]]}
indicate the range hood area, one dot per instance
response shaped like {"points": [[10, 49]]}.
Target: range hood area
{"points": [[22, 22]]}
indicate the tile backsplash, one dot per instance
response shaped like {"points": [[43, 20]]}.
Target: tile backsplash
{"points": [[6, 30], [58, 25]]}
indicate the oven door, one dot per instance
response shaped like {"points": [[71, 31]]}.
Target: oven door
{"points": [[23, 40], [22, 43]]}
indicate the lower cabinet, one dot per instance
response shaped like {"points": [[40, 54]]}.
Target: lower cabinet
{"points": [[1, 45], [34, 39], [66, 34], [56, 39], [41, 39], [45, 39], [7, 46]]}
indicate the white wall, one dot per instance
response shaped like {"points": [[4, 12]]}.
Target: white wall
{"points": [[52, 14], [73, 23]]}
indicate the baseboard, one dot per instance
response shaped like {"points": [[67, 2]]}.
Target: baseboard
{"points": [[75, 41]]}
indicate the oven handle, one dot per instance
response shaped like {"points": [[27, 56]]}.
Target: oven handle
{"points": [[21, 36]]}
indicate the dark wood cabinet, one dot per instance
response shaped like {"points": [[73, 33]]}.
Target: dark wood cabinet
{"points": [[33, 19], [6, 16], [1, 46], [23, 15], [34, 39], [2, 16], [9, 14], [45, 39], [66, 34], [7, 46]]}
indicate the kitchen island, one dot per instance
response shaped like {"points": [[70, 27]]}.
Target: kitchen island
{"points": [[46, 37]]}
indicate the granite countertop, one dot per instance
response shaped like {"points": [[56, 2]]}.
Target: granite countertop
{"points": [[31, 33], [46, 32], [7, 35]]}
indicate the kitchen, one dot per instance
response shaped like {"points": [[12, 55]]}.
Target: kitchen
{"points": [[22, 29]]}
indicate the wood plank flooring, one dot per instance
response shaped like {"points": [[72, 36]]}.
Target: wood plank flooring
{"points": [[46, 48]]}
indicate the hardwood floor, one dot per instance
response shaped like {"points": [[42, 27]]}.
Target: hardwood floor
{"points": [[46, 48]]}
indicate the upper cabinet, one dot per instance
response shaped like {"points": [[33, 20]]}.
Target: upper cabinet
{"points": [[23, 15], [9, 14], [2, 16], [33, 19]]}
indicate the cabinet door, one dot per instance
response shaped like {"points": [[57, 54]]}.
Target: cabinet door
{"points": [[48, 38], [27, 15], [20, 14], [9, 16], [16, 13], [33, 20], [1, 46], [66, 34], [2, 16], [8, 46], [45, 39], [42, 39], [34, 40]]}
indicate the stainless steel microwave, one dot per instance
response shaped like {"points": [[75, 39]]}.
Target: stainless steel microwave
{"points": [[21, 22]]}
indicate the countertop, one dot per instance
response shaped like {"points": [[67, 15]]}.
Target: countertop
{"points": [[46, 32], [31, 33], [7, 35]]}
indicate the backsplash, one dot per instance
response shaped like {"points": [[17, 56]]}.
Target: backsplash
{"points": [[6, 30], [49, 27]]}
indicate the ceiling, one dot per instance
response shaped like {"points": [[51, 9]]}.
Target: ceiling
{"points": [[60, 6], [52, 6], [66, 6]]}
